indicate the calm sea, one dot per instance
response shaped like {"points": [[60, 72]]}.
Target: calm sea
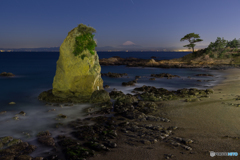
{"points": [[35, 71]]}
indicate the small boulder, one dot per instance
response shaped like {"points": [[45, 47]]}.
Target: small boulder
{"points": [[22, 113], [45, 138], [99, 96]]}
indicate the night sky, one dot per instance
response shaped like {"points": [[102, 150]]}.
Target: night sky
{"points": [[119, 23]]}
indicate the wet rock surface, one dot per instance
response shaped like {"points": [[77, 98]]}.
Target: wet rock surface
{"points": [[131, 119], [161, 75], [130, 83], [204, 75], [150, 93], [114, 75], [172, 63], [15, 149], [45, 138]]}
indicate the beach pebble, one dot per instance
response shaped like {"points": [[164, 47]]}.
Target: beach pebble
{"points": [[111, 144], [16, 118], [172, 128], [62, 116], [186, 147], [51, 110], [145, 141], [154, 141], [168, 156]]}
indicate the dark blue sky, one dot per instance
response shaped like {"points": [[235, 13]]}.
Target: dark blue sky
{"points": [[146, 23]]}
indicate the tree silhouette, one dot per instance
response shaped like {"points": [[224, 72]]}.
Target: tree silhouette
{"points": [[192, 38]]}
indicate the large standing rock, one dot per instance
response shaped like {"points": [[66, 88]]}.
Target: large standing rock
{"points": [[76, 77]]}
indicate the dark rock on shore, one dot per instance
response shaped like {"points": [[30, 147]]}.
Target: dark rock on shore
{"points": [[45, 138], [5, 74], [99, 96], [115, 75], [130, 83], [172, 63], [151, 93], [204, 75], [72, 148], [18, 151], [164, 75], [49, 97], [122, 98]]}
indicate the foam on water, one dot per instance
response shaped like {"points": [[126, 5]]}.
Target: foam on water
{"points": [[34, 74]]}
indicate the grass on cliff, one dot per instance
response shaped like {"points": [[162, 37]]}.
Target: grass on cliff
{"points": [[221, 54], [220, 50], [84, 41]]}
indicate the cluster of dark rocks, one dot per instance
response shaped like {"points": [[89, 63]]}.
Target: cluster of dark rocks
{"points": [[131, 83], [161, 75], [114, 75], [150, 93], [12, 149], [135, 119], [99, 137], [116, 60], [204, 75], [45, 138], [137, 62], [5, 74]]}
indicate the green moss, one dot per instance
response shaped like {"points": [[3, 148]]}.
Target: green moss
{"points": [[1, 145], [84, 41], [6, 139], [83, 56], [14, 142], [77, 152]]}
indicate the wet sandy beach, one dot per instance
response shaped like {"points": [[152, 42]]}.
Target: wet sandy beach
{"points": [[206, 122]]}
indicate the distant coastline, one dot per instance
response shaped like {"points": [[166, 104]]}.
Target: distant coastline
{"points": [[18, 50], [56, 49]]}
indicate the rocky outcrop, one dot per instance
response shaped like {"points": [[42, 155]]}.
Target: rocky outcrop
{"points": [[161, 75], [204, 75], [5, 74], [77, 76], [114, 75], [172, 63]]}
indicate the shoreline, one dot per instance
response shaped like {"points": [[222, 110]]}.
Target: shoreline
{"points": [[205, 122]]}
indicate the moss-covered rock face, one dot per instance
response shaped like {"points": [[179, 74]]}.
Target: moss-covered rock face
{"points": [[76, 77]]}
